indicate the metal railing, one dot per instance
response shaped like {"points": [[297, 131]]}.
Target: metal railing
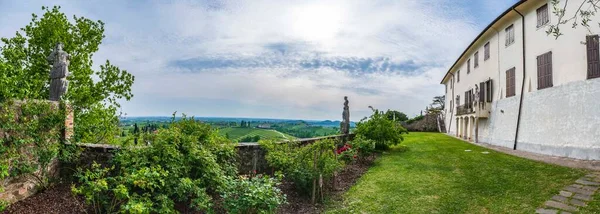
{"points": [[464, 109]]}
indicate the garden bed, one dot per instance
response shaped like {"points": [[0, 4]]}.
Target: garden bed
{"points": [[345, 179], [59, 198]]}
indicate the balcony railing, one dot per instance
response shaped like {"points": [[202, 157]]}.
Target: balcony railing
{"points": [[464, 109]]}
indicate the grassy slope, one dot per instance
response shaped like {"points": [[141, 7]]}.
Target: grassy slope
{"points": [[237, 133], [437, 175]]}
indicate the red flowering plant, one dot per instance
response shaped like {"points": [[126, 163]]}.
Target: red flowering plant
{"points": [[346, 153]]}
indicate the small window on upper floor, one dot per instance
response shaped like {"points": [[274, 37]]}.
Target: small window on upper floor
{"points": [[542, 16], [486, 51], [458, 76], [468, 66], [509, 35], [476, 63]]}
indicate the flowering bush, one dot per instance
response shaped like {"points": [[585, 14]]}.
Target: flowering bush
{"points": [[346, 153], [363, 146]]}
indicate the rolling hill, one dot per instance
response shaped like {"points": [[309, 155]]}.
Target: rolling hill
{"points": [[236, 133]]}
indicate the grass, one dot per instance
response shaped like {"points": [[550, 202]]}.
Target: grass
{"points": [[236, 133], [432, 173]]}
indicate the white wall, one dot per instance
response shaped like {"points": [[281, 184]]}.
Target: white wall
{"points": [[563, 120]]}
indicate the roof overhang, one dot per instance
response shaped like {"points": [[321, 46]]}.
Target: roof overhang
{"points": [[501, 16]]}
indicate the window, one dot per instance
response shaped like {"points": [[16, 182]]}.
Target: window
{"points": [[451, 106], [593, 57], [458, 76], [476, 59], [510, 82], [544, 70], [468, 66], [509, 34], [542, 16], [486, 51]]}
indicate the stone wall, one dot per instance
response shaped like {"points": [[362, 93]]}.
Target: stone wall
{"points": [[251, 157], [13, 189]]}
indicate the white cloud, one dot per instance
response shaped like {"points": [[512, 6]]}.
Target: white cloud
{"points": [[146, 38]]}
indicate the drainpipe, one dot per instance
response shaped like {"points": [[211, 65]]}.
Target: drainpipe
{"points": [[523, 83]]}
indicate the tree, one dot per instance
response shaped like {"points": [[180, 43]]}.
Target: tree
{"points": [[380, 129], [582, 16], [396, 115], [93, 94], [437, 105]]}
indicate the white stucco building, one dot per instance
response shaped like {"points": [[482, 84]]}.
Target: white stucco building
{"points": [[517, 87]]}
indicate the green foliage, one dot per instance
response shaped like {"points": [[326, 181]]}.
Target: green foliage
{"points": [[303, 164], [396, 115], [364, 147], [254, 138], [380, 129], [184, 164], [257, 194], [30, 139], [93, 94], [3, 205], [415, 119]]}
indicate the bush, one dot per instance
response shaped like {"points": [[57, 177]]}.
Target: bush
{"points": [[257, 194], [380, 129], [186, 163], [303, 164], [364, 147]]}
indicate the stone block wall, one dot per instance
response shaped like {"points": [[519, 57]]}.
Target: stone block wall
{"points": [[13, 189]]}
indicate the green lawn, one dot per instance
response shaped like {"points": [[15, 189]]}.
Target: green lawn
{"points": [[432, 173], [236, 133]]}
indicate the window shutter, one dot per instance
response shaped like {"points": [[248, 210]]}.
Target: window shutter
{"points": [[593, 56], [481, 92], [544, 63], [510, 82], [489, 91]]}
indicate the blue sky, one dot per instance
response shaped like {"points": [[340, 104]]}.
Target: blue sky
{"points": [[277, 59]]}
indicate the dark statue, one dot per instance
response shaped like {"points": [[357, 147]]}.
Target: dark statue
{"points": [[60, 70], [345, 125]]}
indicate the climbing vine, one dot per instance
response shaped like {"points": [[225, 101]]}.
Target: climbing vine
{"points": [[30, 134]]}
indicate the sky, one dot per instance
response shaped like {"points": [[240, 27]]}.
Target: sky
{"points": [[277, 59]]}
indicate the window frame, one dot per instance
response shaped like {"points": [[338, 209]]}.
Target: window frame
{"points": [[476, 59], [509, 35], [486, 51], [543, 16], [469, 66]]}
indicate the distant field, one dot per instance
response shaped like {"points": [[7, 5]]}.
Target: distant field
{"points": [[236, 133]]}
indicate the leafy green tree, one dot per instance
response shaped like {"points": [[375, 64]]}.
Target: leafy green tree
{"points": [[93, 94], [380, 129], [396, 115]]}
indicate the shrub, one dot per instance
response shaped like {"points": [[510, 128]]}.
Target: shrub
{"points": [[186, 163], [364, 147], [257, 194], [346, 153], [380, 129], [304, 165]]}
